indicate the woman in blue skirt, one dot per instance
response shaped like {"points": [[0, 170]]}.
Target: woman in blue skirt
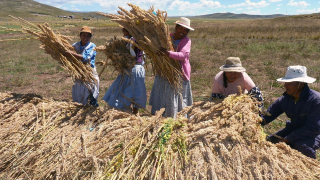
{"points": [[129, 87], [85, 52]]}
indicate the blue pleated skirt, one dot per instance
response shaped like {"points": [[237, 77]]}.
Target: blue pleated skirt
{"points": [[132, 87]]}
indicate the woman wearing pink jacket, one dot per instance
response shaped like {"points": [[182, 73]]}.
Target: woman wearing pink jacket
{"points": [[162, 94]]}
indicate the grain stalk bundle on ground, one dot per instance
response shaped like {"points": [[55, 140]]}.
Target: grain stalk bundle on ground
{"points": [[151, 32], [46, 139], [56, 45], [116, 50]]}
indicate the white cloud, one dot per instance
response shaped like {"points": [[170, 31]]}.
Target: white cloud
{"points": [[186, 5], [62, 2], [255, 12], [308, 11], [274, 0], [279, 4], [210, 4], [75, 9], [277, 8], [111, 6], [249, 7], [250, 4], [298, 4], [181, 5], [239, 9]]}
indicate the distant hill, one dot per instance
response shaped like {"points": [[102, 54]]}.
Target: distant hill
{"points": [[308, 16], [28, 8], [237, 16]]}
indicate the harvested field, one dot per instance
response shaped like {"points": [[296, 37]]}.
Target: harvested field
{"points": [[47, 139]]}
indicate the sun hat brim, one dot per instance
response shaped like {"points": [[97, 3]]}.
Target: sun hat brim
{"points": [[232, 69], [188, 27], [306, 79], [86, 32], [85, 29]]}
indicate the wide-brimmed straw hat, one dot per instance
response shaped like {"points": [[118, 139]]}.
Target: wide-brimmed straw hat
{"points": [[185, 22], [297, 74], [85, 29], [233, 64]]}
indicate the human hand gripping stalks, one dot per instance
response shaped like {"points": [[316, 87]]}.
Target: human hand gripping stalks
{"points": [[56, 45], [151, 32]]}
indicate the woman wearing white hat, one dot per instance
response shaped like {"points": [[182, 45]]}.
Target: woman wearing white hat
{"points": [[162, 95], [231, 76], [302, 106]]}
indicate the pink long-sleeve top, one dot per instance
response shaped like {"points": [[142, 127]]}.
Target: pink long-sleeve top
{"points": [[244, 81], [182, 55]]}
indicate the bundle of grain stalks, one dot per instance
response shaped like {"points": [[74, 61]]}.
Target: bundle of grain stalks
{"points": [[56, 45], [42, 138], [151, 32], [117, 51]]}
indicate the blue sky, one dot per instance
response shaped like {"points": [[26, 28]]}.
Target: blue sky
{"points": [[194, 7]]}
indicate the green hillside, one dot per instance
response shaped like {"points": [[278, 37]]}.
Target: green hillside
{"points": [[30, 8]]}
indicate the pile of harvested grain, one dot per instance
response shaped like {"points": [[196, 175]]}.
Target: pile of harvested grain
{"points": [[56, 45], [227, 142], [116, 50], [151, 32], [42, 138]]}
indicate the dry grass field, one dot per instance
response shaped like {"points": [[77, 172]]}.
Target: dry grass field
{"points": [[265, 47]]}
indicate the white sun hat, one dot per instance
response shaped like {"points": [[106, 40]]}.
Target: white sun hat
{"points": [[233, 64], [297, 74], [185, 22]]}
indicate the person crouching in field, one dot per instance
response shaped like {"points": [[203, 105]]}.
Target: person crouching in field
{"points": [[86, 53], [129, 87], [231, 76], [162, 94], [302, 106]]}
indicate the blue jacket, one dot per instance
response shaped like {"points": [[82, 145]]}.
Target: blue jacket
{"points": [[304, 114], [87, 51]]}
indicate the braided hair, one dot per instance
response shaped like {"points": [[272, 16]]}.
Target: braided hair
{"points": [[225, 84]]}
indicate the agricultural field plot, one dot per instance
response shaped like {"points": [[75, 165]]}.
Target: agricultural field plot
{"points": [[265, 47]]}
